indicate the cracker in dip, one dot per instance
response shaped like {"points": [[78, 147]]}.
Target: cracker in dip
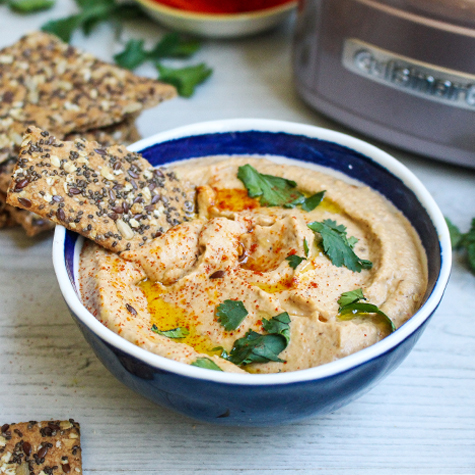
{"points": [[259, 280]]}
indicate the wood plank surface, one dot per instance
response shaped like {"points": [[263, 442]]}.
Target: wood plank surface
{"points": [[419, 420]]}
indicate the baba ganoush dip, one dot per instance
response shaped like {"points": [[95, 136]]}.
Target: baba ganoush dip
{"points": [[271, 275]]}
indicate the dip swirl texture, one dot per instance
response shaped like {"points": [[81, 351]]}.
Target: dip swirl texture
{"points": [[237, 250]]}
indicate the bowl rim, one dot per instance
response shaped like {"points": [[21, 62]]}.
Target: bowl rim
{"points": [[319, 372], [217, 17]]}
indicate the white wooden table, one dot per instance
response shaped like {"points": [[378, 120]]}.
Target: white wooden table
{"points": [[420, 420]]}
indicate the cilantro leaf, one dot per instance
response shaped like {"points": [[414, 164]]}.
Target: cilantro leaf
{"points": [[271, 190], [455, 234], [64, 27], [338, 247], [231, 313], [223, 353], [468, 242], [30, 6], [171, 45], [179, 332], [184, 79], [126, 11], [133, 55], [257, 348], [92, 13], [206, 363], [305, 247], [295, 260], [313, 201], [350, 307], [463, 242], [279, 325], [347, 298]]}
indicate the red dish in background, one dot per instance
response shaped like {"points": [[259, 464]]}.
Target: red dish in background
{"points": [[220, 6]]}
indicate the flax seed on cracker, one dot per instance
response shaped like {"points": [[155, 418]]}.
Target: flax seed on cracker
{"points": [[122, 133], [46, 448], [110, 195], [32, 223], [52, 85]]}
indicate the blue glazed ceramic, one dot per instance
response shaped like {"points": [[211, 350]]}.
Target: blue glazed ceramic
{"points": [[269, 399]]}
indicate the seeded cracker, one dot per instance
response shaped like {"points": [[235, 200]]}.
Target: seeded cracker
{"points": [[40, 448], [110, 195], [123, 132], [30, 222], [52, 85], [6, 220]]}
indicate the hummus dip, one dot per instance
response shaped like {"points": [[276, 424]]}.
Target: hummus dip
{"points": [[237, 252]]}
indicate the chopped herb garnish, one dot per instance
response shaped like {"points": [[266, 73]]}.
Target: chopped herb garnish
{"points": [[276, 191], [206, 363], [258, 348], [231, 313], [455, 234], [313, 201], [223, 353], [351, 306], [464, 242], [179, 332], [30, 6], [338, 247], [184, 79], [93, 12], [305, 247], [279, 325], [347, 298], [171, 45], [133, 55], [295, 260], [271, 190]]}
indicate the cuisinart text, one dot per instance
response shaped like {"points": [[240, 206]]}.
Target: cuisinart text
{"points": [[425, 80]]}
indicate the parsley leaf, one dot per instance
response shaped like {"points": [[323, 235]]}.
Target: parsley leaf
{"points": [[455, 234], [231, 313], [295, 260], [338, 247], [313, 201], [347, 298], [179, 332], [133, 55], [171, 45], [30, 6], [276, 191], [257, 348], [206, 363], [223, 353], [271, 190], [64, 27], [463, 241], [468, 242], [184, 79], [92, 13], [279, 325], [350, 306], [305, 247]]}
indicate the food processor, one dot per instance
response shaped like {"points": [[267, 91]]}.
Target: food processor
{"points": [[400, 71]]}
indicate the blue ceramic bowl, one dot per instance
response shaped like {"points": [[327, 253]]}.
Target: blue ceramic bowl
{"points": [[269, 399]]}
